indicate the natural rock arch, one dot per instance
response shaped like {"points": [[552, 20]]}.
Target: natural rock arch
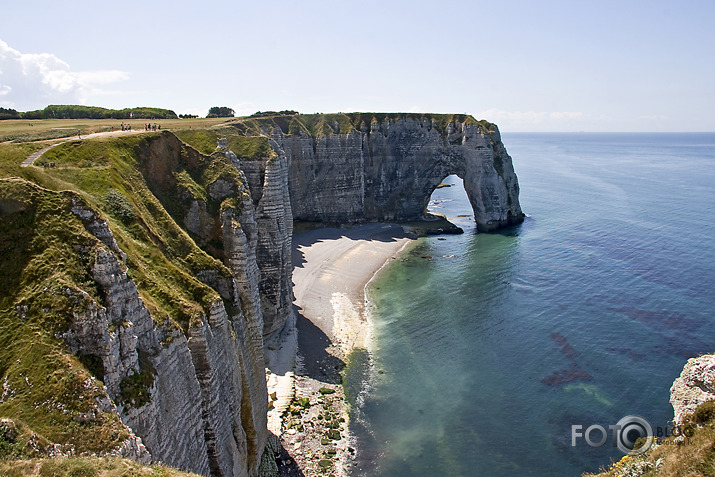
{"points": [[388, 171]]}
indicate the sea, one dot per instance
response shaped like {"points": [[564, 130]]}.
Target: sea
{"points": [[489, 350]]}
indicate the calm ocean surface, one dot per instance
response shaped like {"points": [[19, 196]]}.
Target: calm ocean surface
{"points": [[487, 352]]}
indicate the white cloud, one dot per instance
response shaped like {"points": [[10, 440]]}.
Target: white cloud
{"points": [[30, 81]]}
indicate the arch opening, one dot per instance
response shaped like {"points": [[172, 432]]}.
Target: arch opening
{"points": [[449, 199]]}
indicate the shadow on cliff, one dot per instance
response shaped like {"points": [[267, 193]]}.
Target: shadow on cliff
{"points": [[380, 232], [287, 465], [313, 344]]}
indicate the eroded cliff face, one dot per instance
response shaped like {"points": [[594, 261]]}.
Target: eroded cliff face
{"points": [[268, 181], [695, 386], [189, 387], [386, 168], [191, 416], [348, 169]]}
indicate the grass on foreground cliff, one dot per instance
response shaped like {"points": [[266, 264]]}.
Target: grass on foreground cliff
{"points": [[163, 259], [86, 467], [245, 147], [46, 255], [42, 274], [675, 456]]}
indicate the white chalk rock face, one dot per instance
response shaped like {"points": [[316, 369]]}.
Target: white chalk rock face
{"points": [[695, 386], [387, 172], [383, 169]]}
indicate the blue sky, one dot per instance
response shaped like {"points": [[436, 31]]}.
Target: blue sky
{"points": [[526, 65]]}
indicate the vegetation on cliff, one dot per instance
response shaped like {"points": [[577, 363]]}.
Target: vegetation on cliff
{"points": [[320, 125], [689, 453], [140, 184], [85, 467], [245, 147], [46, 278], [76, 111]]}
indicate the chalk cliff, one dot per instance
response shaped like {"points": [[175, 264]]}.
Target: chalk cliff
{"points": [[695, 386], [174, 334], [352, 168], [169, 268]]}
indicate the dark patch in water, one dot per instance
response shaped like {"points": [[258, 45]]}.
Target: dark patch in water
{"points": [[567, 375], [582, 456], [634, 355], [566, 348], [687, 346], [677, 330], [670, 321]]}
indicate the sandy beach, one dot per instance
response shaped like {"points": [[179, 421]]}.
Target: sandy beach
{"points": [[331, 268]]}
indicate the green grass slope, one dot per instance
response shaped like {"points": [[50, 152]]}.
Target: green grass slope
{"points": [[141, 184], [85, 467]]}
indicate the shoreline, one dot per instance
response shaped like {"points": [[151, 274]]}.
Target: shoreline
{"points": [[332, 269]]}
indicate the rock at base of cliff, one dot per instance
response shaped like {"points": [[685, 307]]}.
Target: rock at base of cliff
{"points": [[433, 224]]}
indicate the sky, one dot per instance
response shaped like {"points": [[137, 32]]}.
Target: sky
{"points": [[526, 65]]}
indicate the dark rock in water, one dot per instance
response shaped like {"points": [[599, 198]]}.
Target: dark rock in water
{"points": [[566, 348], [567, 375]]}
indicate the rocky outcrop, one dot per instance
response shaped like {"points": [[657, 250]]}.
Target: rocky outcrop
{"points": [[695, 386], [268, 182]]}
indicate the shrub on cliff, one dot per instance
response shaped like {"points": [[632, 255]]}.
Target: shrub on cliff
{"points": [[220, 112], [9, 114], [75, 111]]}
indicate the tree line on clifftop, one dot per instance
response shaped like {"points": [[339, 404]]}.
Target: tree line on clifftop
{"points": [[63, 111]]}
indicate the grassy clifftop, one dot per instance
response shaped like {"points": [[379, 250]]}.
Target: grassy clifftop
{"points": [[45, 279], [320, 125]]}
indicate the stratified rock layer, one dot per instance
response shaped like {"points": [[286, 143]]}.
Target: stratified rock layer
{"points": [[207, 411], [382, 168], [387, 171]]}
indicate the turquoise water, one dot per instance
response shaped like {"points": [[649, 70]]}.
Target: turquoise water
{"points": [[489, 347]]}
